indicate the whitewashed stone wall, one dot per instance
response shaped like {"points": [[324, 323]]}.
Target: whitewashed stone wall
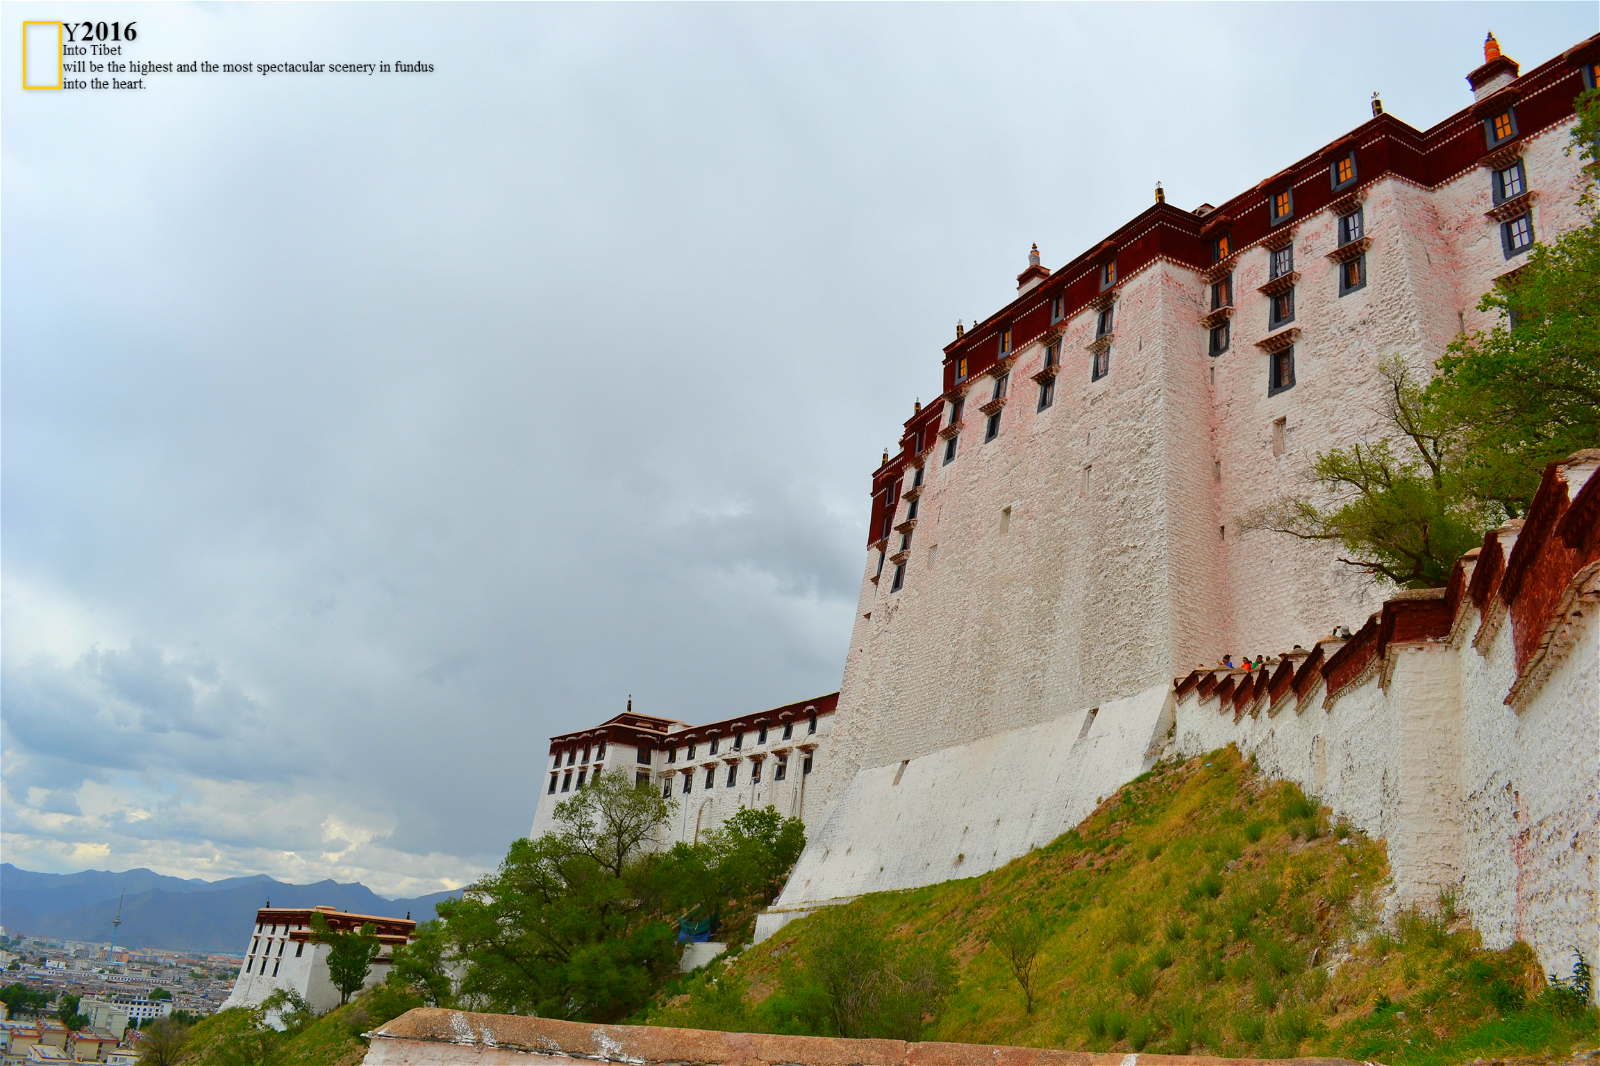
{"points": [[967, 809], [1468, 793], [306, 974]]}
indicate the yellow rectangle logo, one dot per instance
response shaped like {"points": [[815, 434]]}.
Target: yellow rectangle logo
{"points": [[41, 55]]}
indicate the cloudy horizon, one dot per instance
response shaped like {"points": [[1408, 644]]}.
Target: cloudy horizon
{"points": [[360, 434]]}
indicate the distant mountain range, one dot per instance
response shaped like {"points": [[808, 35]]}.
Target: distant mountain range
{"points": [[171, 912]]}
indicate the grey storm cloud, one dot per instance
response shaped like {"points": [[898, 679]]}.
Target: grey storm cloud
{"points": [[359, 433]]}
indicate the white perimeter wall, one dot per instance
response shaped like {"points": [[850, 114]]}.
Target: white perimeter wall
{"points": [[1466, 791], [967, 809]]}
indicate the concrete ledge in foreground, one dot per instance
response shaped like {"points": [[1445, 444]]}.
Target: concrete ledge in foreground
{"points": [[433, 1037]]}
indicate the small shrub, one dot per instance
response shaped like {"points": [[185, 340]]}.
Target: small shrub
{"points": [[1249, 1028], [1130, 927], [1162, 958], [1294, 830], [1175, 930], [1341, 830], [1310, 832], [1505, 997], [1153, 852], [1096, 1020], [1266, 993], [1120, 961], [1382, 944], [1209, 886], [1298, 808], [1253, 832], [1116, 1024], [1139, 1032], [1141, 982], [1290, 1028]]}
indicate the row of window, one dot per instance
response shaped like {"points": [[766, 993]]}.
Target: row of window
{"points": [[1505, 185], [738, 738], [572, 754], [249, 965], [780, 772]]}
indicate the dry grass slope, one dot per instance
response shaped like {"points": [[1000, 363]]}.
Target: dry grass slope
{"points": [[1201, 909]]}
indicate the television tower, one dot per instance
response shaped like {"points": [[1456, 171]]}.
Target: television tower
{"points": [[111, 955]]}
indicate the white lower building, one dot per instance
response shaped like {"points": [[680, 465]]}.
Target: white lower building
{"points": [[281, 955]]}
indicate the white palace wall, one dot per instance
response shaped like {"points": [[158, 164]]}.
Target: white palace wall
{"points": [[970, 808]]}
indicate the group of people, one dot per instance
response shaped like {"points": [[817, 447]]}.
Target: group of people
{"points": [[1261, 663]]}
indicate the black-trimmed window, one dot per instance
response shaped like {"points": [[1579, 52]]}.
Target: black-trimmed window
{"points": [[881, 557], [1343, 171], [961, 369], [714, 742], [1280, 262], [672, 753], [805, 766], [761, 737], [950, 449], [991, 428], [582, 774], [299, 947], [1005, 343], [1221, 248], [733, 774], [1221, 336], [688, 782], [585, 759], [1100, 363], [1108, 275], [1281, 205], [711, 777], [1591, 75], [1105, 322], [916, 479], [552, 789], [788, 731], [899, 578], [1280, 309], [811, 725], [1058, 307], [1510, 183], [1222, 293], [1281, 371], [905, 541], [755, 771], [1500, 128], [566, 782], [1516, 235], [1352, 227], [1353, 274], [738, 736], [572, 756], [1047, 386], [781, 771], [641, 777], [911, 512], [690, 756], [666, 788], [600, 753]]}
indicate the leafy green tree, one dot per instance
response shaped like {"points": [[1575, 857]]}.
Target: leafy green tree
{"points": [[422, 968], [1399, 511], [160, 993], [289, 1009], [1018, 936], [570, 925], [1466, 450], [20, 999], [67, 1011], [872, 987], [164, 1040], [350, 954]]}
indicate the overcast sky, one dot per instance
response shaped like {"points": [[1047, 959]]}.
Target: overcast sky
{"points": [[362, 432]]}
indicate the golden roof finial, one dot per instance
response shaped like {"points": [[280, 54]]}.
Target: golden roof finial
{"points": [[1491, 48]]}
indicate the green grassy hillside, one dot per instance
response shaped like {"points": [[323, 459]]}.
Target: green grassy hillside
{"points": [[1202, 909]]}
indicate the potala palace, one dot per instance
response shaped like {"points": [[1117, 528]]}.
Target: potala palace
{"points": [[1053, 565]]}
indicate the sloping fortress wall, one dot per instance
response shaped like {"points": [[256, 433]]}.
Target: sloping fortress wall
{"points": [[1462, 725], [1059, 529], [968, 809]]}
